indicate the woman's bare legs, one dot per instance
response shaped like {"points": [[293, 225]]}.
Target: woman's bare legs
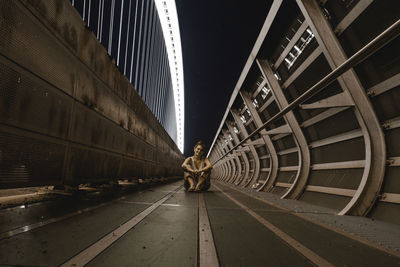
{"points": [[191, 182], [203, 177], [188, 177]]}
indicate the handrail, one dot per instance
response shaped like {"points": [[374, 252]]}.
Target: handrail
{"points": [[377, 43]]}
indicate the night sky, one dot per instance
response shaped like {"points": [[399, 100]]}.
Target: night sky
{"points": [[217, 37]]}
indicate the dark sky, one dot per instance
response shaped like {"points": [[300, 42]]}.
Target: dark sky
{"points": [[217, 37]]}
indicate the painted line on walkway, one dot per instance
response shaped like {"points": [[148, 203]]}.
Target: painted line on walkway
{"points": [[324, 225], [22, 196], [33, 226], [169, 191], [30, 227], [207, 252], [95, 249], [151, 203], [306, 252]]}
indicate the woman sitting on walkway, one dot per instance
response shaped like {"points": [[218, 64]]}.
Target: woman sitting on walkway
{"points": [[197, 170]]}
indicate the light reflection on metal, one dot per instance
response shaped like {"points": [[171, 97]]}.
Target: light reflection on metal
{"points": [[33, 226], [388, 35], [248, 112], [243, 119], [265, 92], [298, 48], [255, 103], [276, 75]]}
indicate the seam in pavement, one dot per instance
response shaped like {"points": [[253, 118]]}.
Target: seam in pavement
{"points": [[88, 254], [33, 226], [322, 224], [30, 227], [207, 251], [306, 252]]}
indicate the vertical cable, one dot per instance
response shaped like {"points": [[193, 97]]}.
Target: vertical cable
{"points": [[102, 17], [163, 84], [161, 68], [143, 53], [90, 5], [152, 64], [150, 72], [127, 36], [84, 9], [98, 20], [138, 51], [158, 72], [110, 33], [133, 43], [148, 57], [120, 30]]}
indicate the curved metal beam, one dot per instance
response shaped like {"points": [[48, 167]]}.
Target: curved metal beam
{"points": [[242, 154], [256, 171], [304, 153], [226, 160], [236, 162], [375, 146], [219, 163], [274, 164], [223, 162], [232, 165]]}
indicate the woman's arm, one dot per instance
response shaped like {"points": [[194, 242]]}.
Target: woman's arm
{"points": [[207, 167], [186, 166]]}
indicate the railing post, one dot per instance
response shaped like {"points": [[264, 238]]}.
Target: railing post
{"points": [[242, 154], [304, 153], [227, 165], [256, 170], [375, 146], [221, 162], [274, 164], [237, 168]]}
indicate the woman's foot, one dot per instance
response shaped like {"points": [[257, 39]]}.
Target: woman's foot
{"points": [[191, 189]]}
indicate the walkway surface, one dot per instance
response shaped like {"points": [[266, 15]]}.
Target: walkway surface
{"points": [[166, 226]]}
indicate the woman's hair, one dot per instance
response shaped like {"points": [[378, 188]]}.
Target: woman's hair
{"points": [[199, 143]]}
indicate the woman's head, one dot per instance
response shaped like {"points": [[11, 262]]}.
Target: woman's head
{"points": [[199, 149]]}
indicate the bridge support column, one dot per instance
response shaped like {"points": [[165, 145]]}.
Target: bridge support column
{"points": [[237, 168], [304, 153], [225, 162], [375, 146], [273, 165], [256, 169], [242, 155]]}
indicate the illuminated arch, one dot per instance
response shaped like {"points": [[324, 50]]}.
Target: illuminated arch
{"points": [[170, 26]]}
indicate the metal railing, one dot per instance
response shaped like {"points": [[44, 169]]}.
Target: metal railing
{"points": [[376, 44]]}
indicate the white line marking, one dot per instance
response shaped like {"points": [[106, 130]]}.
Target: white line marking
{"points": [[324, 225], [30, 227], [95, 249], [33, 226], [150, 203], [207, 251], [309, 254]]}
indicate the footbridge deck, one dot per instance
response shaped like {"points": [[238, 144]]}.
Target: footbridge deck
{"points": [[165, 226]]}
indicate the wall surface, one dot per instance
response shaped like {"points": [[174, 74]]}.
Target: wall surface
{"points": [[67, 114]]}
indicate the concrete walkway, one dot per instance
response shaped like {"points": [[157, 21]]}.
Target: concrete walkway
{"points": [[165, 226]]}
